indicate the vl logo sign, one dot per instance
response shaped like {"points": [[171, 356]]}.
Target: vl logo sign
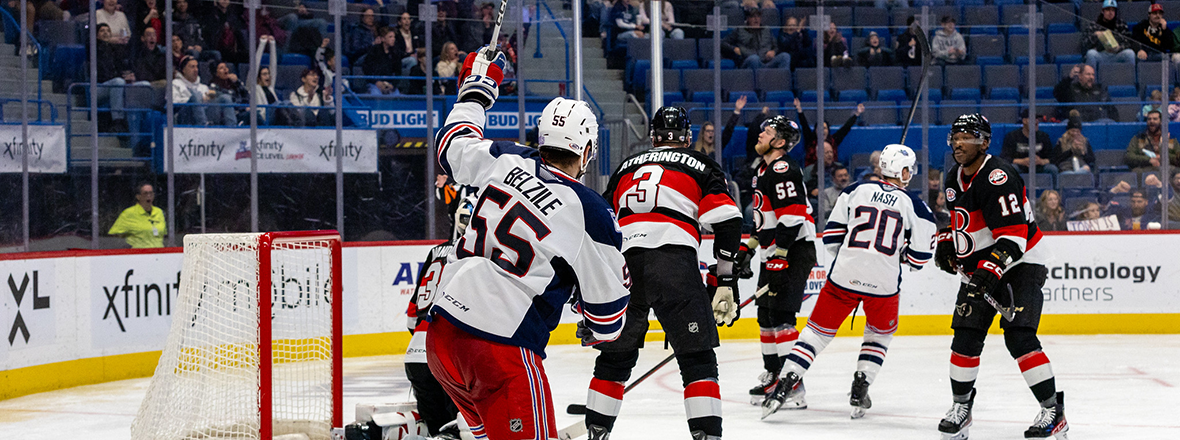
{"points": [[20, 291]]}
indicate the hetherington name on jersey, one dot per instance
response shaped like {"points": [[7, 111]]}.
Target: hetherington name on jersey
{"points": [[533, 189], [888, 199], [667, 156]]}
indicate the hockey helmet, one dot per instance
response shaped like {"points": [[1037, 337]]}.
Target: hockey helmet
{"points": [[784, 129], [894, 159], [670, 125], [463, 215], [568, 125], [974, 124]]}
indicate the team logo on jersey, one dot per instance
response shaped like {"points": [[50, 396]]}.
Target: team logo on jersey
{"points": [[997, 177], [693, 327], [963, 310], [961, 221], [781, 167], [950, 194], [515, 425]]}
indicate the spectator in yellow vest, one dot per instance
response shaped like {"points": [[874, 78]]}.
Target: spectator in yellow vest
{"points": [[142, 225]]}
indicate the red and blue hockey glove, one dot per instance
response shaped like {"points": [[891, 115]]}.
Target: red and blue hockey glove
{"points": [[944, 252], [988, 273], [776, 272], [480, 77], [723, 290]]}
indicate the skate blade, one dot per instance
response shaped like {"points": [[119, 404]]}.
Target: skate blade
{"points": [[794, 404], [961, 435], [857, 412], [769, 407], [756, 400]]}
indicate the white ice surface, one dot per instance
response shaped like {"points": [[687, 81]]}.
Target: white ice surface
{"points": [[1117, 387]]}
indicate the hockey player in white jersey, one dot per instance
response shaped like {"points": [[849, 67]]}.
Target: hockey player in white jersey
{"points": [[875, 229], [537, 236]]}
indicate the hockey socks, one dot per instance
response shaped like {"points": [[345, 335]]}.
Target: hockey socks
{"points": [[872, 351], [770, 360], [964, 370], [702, 406], [1038, 374], [603, 402], [810, 343]]}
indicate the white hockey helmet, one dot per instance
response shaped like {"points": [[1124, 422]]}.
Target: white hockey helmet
{"points": [[894, 159], [569, 125], [463, 215]]}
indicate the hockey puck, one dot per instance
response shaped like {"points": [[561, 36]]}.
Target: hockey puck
{"points": [[575, 409]]}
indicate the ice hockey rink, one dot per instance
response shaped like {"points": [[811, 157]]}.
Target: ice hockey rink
{"points": [[1117, 387]]}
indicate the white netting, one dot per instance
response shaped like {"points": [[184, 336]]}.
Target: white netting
{"points": [[207, 382]]}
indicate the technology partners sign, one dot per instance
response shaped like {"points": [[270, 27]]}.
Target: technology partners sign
{"points": [[294, 150]]}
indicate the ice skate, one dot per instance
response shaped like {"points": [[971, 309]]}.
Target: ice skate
{"points": [[766, 382], [788, 394], [1050, 423], [596, 432], [700, 435], [859, 396], [958, 419]]}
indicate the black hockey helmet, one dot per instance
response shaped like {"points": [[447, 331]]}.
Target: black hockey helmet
{"points": [[670, 125], [784, 129], [974, 124]]}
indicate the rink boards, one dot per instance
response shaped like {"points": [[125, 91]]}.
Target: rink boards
{"points": [[80, 317]]}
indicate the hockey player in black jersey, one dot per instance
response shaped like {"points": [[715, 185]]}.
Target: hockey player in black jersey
{"points": [[993, 245], [663, 197], [785, 230]]}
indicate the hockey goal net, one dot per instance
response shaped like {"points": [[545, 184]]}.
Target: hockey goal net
{"points": [[254, 347]]}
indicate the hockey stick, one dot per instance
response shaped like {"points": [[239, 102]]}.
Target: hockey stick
{"points": [[578, 429], [495, 43], [1009, 312], [927, 57]]}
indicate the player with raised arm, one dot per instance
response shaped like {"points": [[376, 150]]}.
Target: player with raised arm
{"points": [[664, 196], [993, 245], [435, 407], [537, 236], [786, 234], [875, 229]]}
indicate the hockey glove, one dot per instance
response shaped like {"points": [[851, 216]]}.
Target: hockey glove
{"points": [[776, 272], [944, 252], [723, 289], [480, 77], [741, 264], [586, 335], [988, 273]]}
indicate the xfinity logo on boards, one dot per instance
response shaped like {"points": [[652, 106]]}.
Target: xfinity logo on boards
{"points": [[328, 152], [13, 149], [191, 150], [18, 293], [141, 295]]}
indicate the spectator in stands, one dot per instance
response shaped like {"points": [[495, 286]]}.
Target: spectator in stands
{"points": [[1174, 105], [948, 45], [1174, 203], [142, 225], [942, 216], [668, 22], [187, 89], [224, 28], [359, 37], [479, 33], [1050, 215], [448, 66], [179, 52], [226, 83], [113, 73], [605, 21], [933, 180], [418, 86], [752, 127], [1154, 103], [325, 62], [1106, 39], [873, 54], [797, 44], [192, 32], [811, 172], [1016, 148], [874, 172], [1143, 151], [304, 28], [310, 94], [1089, 211], [147, 16], [150, 59], [1081, 88], [266, 25], [753, 46], [1139, 215], [383, 60], [1153, 35], [1076, 155], [841, 177], [111, 16], [907, 52], [707, 138], [626, 19], [444, 28], [406, 42], [835, 48], [264, 87], [810, 140]]}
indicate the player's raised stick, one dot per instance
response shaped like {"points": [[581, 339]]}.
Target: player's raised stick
{"points": [[927, 57], [495, 43]]}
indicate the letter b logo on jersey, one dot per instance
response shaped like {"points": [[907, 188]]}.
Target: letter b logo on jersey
{"points": [[961, 222]]}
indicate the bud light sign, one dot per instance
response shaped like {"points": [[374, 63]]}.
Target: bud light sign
{"points": [[510, 120], [397, 118]]}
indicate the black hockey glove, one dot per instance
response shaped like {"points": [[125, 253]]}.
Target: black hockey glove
{"points": [[944, 252], [586, 335], [723, 289], [741, 264], [987, 274], [776, 272]]}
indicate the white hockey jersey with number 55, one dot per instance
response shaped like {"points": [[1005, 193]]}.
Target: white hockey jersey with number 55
{"points": [[536, 237], [874, 230]]}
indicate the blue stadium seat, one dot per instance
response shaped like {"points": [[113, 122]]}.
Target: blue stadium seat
{"points": [[895, 95], [785, 97], [1076, 181], [880, 113], [751, 96], [674, 96], [852, 95], [985, 30], [810, 95], [726, 63], [683, 64], [1110, 159], [703, 97], [773, 80], [1062, 28], [1004, 93], [295, 59], [1000, 111], [964, 81], [1122, 91]]}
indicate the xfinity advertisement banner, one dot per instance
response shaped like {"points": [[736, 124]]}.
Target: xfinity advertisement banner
{"points": [[47, 149], [218, 150]]}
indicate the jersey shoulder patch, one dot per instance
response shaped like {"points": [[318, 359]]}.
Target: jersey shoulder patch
{"points": [[951, 194], [997, 177], [781, 166]]}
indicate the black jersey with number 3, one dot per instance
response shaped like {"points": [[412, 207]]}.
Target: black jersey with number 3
{"points": [[782, 214], [989, 206]]}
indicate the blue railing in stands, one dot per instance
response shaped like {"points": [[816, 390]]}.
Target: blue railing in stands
{"points": [[11, 23]]}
